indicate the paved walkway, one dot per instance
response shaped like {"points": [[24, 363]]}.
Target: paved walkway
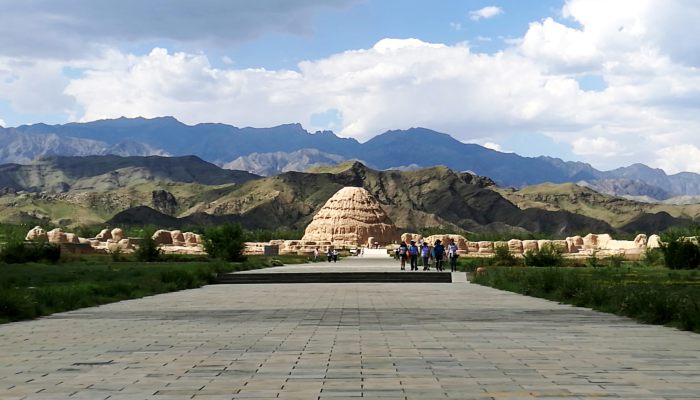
{"points": [[305, 341]]}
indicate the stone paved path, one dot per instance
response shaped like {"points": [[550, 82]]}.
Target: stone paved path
{"points": [[333, 341]]}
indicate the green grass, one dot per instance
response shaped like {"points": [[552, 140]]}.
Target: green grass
{"points": [[650, 295], [32, 290]]}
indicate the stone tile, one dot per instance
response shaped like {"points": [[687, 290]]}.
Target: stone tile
{"points": [[336, 341]]}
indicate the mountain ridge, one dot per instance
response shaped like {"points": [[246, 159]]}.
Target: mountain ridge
{"points": [[404, 149]]}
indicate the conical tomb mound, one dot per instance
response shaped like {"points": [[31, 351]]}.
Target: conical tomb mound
{"points": [[349, 218]]}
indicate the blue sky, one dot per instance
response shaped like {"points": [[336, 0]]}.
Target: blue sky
{"points": [[362, 25], [606, 82]]}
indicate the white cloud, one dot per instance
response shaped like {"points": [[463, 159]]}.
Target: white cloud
{"points": [[597, 146], [456, 26], [396, 83], [2, 123], [32, 86], [485, 13], [678, 158]]}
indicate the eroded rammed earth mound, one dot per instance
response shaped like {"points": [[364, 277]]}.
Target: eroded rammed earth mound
{"points": [[351, 217]]}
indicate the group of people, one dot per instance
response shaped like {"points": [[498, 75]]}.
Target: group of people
{"points": [[412, 251], [331, 255]]}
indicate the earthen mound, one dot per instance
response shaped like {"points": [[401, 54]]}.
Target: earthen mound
{"points": [[349, 218]]}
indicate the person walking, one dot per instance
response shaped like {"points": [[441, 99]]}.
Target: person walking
{"points": [[452, 254], [329, 255], [315, 254], [403, 254], [425, 254], [335, 255], [413, 252], [438, 253]]}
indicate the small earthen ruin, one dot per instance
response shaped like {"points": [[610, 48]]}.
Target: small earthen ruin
{"points": [[575, 246], [108, 241]]}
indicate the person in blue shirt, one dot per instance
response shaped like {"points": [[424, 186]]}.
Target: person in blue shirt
{"points": [[438, 253], [425, 254], [413, 253]]}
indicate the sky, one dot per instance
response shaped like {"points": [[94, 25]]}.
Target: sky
{"points": [[608, 82]]}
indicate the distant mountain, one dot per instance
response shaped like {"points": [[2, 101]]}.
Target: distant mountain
{"points": [[623, 214], [62, 174], [217, 143], [24, 147], [268, 164], [274, 150], [627, 188], [641, 180]]}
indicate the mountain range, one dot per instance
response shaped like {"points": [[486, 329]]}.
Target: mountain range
{"points": [[271, 151], [176, 191]]}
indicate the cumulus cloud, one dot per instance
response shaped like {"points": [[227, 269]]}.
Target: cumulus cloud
{"points": [[396, 83], [34, 87], [676, 158], [485, 13], [2, 123], [48, 28]]}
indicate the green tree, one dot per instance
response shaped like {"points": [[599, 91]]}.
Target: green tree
{"points": [[148, 250], [681, 253], [502, 256], [225, 242], [548, 256]]}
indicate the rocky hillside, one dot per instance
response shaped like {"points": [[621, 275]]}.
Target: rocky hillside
{"points": [[75, 191], [413, 199], [100, 173], [621, 213]]}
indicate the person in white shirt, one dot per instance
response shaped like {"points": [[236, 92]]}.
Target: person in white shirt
{"points": [[452, 254]]}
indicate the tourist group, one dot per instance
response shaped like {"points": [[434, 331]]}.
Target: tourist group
{"points": [[412, 252]]}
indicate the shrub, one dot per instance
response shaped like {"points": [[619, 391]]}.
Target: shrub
{"points": [[502, 256], [225, 242], [652, 257], [593, 261], [647, 294], [547, 256], [19, 252], [117, 254], [148, 250], [615, 261], [680, 253]]}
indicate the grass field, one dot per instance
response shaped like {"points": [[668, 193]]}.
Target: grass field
{"points": [[32, 290], [648, 294]]}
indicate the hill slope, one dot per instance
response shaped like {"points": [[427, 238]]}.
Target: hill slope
{"points": [[619, 212], [61, 174], [429, 196]]}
